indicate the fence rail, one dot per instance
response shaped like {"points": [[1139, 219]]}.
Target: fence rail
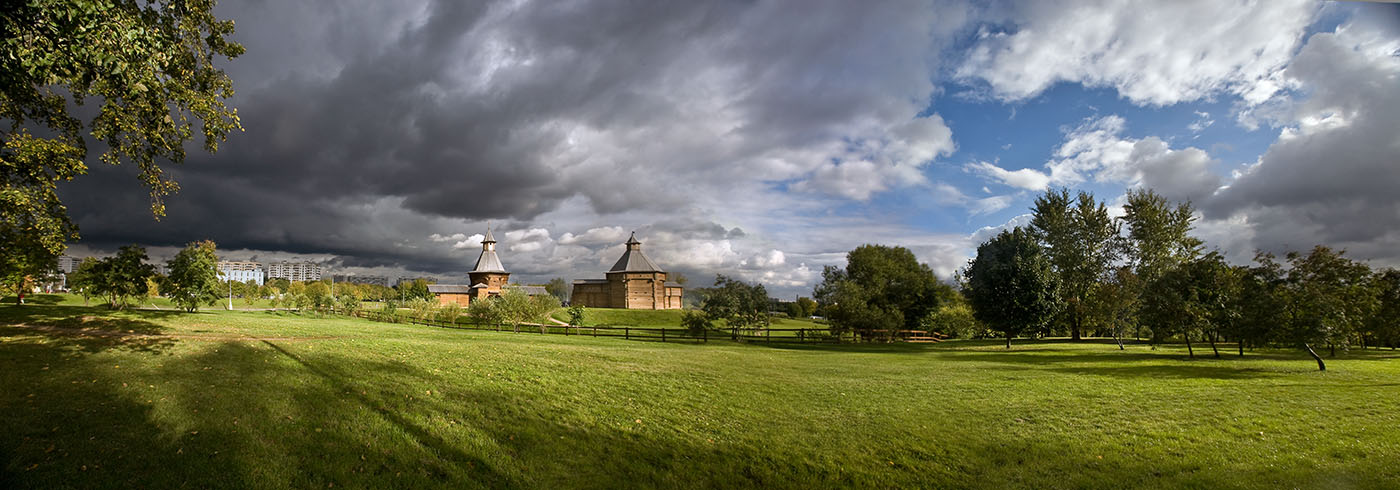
{"points": [[664, 334]]}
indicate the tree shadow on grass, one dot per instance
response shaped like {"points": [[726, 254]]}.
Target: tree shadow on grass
{"points": [[34, 299], [69, 330]]}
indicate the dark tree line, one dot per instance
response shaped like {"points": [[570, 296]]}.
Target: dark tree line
{"points": [[1075, 270]]}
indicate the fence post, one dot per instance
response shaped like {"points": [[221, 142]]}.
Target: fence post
{"points": [[663, 334], [626, 333], [768, 335], [801, 335]]}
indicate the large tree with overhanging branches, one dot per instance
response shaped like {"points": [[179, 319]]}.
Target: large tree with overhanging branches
{"points": [[146, 68]]}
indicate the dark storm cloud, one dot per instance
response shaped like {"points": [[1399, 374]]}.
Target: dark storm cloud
{"points": [[1330, 179], [371, 125]]}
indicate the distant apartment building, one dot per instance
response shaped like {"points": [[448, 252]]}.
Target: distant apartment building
{"points": [[351, 278], [67, 264], [427, 279], [241, 271], [294, 271]]}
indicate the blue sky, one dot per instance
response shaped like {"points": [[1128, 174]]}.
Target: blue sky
{"points": [[763, 140]]}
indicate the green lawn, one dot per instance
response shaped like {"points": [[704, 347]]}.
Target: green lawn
{"points": [[620, 317], [158, 303], [157, 399], [664, 318]]}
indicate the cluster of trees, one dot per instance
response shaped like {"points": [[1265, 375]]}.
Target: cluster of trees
{"points": [[881, 291], [193, 281], [513, 307], [1075, 270], [741, 306]]}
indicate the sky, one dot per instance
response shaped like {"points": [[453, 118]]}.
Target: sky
{"points": [[765, 139]]}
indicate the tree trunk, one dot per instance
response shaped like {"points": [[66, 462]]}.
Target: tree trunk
{"points": [[1074, 323], [1241, 345], [1118, 333], [1320, 365], [1008, 341], [1333, 347], [1212, 345], [1189, 351]]}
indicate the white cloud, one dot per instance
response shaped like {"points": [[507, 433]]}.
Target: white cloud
{"points": [[473, 241], [1026, 178], [595, 236], [1157, 53], [1202, 122], [455, 237], [989, 205]]}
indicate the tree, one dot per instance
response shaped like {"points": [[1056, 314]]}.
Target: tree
{"points": [[148, 66], [558, 288], [1262, 303], [281, 285], [1384, 323], [1158, 234], [1113, 303], [251, 292], [485, 312], [576, 314], [295, 295], [516, 307], [1011, 284], [805, 307], [696, 322], [122, 276], [738, 304], [449, 313], [84, 279], [882, 289], [422, 309], [194, 276], [417, 288], [1081, 241], [347, 304], [540, 308], [954, 318], [318, 296], [1192, 299], [22, 258], [1330, 298]]}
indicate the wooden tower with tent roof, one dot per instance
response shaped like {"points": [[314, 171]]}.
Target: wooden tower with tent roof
{"points": [[634, 282], [488, 279]]}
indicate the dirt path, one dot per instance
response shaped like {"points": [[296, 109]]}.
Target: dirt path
{"points": [[93, 332]]}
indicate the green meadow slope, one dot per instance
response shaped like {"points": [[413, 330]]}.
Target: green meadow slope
{"points": [[157, 399]]}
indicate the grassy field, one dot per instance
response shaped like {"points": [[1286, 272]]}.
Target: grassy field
{"points": [[620, 317], [662, 318], [159, 302], [159, 399]]}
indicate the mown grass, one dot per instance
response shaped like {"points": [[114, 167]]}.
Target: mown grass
{"points": [[143, 302], [160, 399], [621, 317]]}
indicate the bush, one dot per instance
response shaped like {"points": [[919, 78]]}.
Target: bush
{"points": [[955, 321], [576, 313], [696, 322], [449, 313], [347, 304], [422, 309]]}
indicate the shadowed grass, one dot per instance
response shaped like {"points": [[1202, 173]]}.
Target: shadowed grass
{"points": [[256, 399]]}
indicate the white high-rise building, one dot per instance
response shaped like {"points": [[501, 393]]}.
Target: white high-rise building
{"points": [[67, 263], [294, 271], [241, 272]]}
